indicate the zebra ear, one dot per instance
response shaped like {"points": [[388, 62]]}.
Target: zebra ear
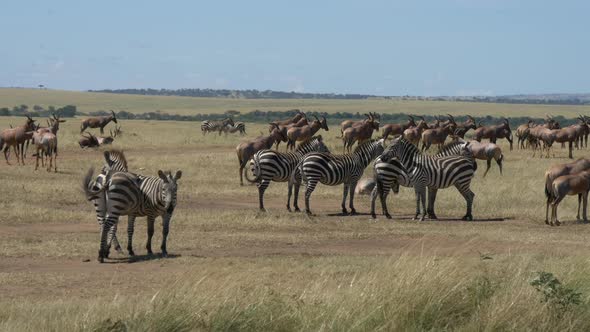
{"points": [[178, 175], [162, 176]]}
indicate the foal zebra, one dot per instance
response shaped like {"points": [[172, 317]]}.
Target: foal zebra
{"points": [[135, 196], [270, 165], [333, 170], [434, 172], [114, 162], [215, 125]]}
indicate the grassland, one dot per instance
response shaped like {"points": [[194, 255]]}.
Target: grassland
{"points": [[88, 102], [234, 268]]}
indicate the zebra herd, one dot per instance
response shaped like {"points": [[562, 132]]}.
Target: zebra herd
{"points": [[226, 126], [400, 163]]}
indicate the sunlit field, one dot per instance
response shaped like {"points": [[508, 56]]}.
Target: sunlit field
{"points": [[232, 267]]}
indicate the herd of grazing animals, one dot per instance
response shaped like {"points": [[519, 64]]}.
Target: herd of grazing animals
{"points": [[117, 192]]}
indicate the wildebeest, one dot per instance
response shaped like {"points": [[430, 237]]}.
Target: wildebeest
{"points": [[98, 122]]}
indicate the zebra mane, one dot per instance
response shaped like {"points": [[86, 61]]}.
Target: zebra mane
{"points": [[112, 156], [450, 146], [309, 142], [365, 143]]}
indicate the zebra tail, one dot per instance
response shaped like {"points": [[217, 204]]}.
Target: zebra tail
{"points": [[88, 184], [255, 171]]}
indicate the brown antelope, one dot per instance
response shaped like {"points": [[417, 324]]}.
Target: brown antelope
{"points": [[484, 151], [494, 132], [16, 137], [91, 141], [299, 134], [556, 171], [351, 123], [434, 124], [574, 184], [284, 128], [98, 122], [564, 135], [535, 131], [463, 127], [246, 150], [522, 133], [46, 147], [414, 134], [294, 119], [359, 133], [437, 135], [397, 128]]}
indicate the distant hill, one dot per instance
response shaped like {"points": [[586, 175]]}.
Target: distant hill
{"points": [[541, 99]]}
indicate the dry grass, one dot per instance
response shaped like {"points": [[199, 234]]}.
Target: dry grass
{"points": [[233, 268], [88, 102]]}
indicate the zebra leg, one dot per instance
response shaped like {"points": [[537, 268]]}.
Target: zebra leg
{"points": [[420, 198], [431, 199], [165, 231], [262, 185], [130, 229], [468, 195], [351, 202], [150, 233], [106, 226], [112, 239], [309, 188], [383, 192], [344, 194]]}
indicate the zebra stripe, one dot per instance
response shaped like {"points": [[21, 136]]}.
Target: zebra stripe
{"points": [[215, 125], [136, 196], [115, 161], [237, 127], [269, 165], [433, 172], [328, 169]]}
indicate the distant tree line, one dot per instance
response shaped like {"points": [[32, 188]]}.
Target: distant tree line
{"points": [[257, 116], [246, 94]]}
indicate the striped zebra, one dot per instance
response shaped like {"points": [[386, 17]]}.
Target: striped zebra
{"points": [[269, 165], [236, 127], [333, 170], [434, 172], [135, 196], [389, 175], [114, 162], [215, 125]]}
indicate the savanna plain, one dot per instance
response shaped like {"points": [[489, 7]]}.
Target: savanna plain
{"points": [[232, 267]]}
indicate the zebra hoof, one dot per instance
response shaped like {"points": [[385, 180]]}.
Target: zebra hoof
{"points": [[468, 217], [353, 212], [432, 216], [388, 216], [557, 223], [344, 212], [546, 221], [297, 209], [164, 253], [373, 216]]}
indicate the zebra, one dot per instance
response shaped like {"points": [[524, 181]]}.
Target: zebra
{"points": [[135, 196], [389, 175], [434, 173], [269, 165], [333, 170], [236, 127], [215, 125], [115, 161]]}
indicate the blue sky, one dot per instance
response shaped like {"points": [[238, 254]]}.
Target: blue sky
{"points": [[445, 47]]}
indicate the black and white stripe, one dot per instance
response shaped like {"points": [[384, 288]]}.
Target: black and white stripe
{"points": [[270, 165], [333, 170], [135, 196], [114, 162], [434, 172], [236, 127], [215, 125]]}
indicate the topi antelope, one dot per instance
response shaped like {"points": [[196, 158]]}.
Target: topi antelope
{"points": [[246, 150], [306, 132], [522, 133], [483, 151], [397, 128], [438, 135], [414, 134], [46, 147], [574, 184], [556, 171], [494, 132], [16, 137], [359, 133], [298, 116], [284, 128], [98, 122], [463, 127]]}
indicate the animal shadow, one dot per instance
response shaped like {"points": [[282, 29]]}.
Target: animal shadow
{"points": [[139, 258]]}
